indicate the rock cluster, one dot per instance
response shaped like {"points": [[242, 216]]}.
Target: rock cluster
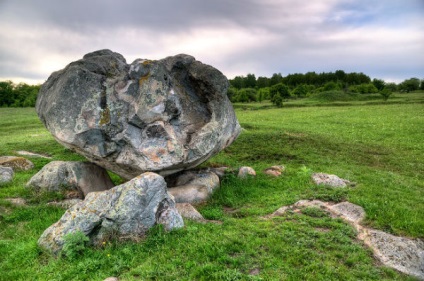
{"points": [[127, 210], [163, 116]]}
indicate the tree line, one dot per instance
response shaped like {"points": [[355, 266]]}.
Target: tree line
{"points": [[18, 95], [249, 88], [278, 88]]}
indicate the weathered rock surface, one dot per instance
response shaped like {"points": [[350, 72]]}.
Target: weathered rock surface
{"points": [[331, 180], [83, 177], [192, 186], [162, 116], [400, 253], [16, 163], [127, 210], [246, 172], [6, 174]]}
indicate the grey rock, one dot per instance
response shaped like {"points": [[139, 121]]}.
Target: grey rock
{"points": [[350, 212], [330, 180], [187, 211], [192, 186], [400, 253], [245, 172], [112, 279], [163, 116], [127, 210], [6, 174], [16, 163], [83, 177]]}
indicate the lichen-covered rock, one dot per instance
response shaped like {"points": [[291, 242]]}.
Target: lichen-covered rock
{"points": [[127, 210], [163, 116], [16, 163], [83, 177], [192, 186], [6, 174]]}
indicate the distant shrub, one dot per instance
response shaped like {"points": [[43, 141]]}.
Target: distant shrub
{"points": [[329, 96]]}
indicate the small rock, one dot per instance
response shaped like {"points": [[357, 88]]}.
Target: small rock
{"points": [[274, 171], [246, 171], [111, 279], [6, 174], [187, 211], [192, 186], [83, 177], [127, 210], [327, 179], [16, 163]]}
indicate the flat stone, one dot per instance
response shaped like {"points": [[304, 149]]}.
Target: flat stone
{"points": [[328, 179], [16, 163], [400, 253], [163, 116], [32, 154], [350, 212]]}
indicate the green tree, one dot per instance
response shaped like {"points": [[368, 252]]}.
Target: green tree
{"points": [[379, 84], [386, 93], [278, 93], [301, 90], [249, 81], [410, 85], [6, 93]]}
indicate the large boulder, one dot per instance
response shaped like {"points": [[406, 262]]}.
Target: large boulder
{"points": [[127, 210], [82, 177], [163, 116]]}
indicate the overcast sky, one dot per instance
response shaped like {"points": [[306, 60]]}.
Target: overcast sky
{"points": [[382, 38]]}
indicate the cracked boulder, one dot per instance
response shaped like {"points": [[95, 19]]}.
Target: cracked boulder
{"points": [[162, 115], [127, 210]]}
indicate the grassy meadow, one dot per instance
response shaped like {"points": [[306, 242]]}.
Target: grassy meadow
{"points": [[378, 145]]}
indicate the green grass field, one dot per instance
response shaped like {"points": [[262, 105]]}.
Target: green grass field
{"points": [[377, 145]]}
